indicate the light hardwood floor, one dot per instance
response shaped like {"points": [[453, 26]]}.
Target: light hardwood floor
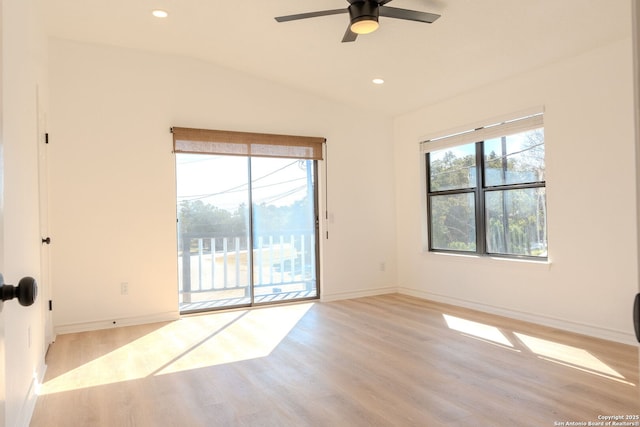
{"points": [[389, 360]]}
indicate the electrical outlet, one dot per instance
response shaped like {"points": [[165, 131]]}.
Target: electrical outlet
{"points": [[383, 266], [124, 288]]}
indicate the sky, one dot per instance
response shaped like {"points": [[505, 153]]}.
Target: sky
{"points": [[222, 180]]}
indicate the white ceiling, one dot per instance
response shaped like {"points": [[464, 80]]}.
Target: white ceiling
{"points": [[475, 42]]}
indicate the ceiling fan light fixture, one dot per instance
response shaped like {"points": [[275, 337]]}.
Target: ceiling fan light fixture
{"points": [[363, 16], [365, 25]]}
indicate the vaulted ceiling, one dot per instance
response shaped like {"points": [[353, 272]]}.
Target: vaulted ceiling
{"points": [[474, 43]]}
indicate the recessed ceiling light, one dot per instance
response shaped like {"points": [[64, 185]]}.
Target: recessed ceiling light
{"points": [[378, 81], [159, 13]]}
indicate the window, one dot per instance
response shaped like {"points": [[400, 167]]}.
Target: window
{"points": [[486, 190]]}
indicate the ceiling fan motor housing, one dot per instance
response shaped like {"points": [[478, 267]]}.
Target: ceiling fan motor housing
{"points": [[367, 10]]}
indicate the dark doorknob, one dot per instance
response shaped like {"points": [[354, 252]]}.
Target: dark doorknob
{"points": [[26, 291]]}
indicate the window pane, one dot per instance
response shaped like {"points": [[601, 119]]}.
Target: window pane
{"points": [[284, 231], [213, 230], [453, 224], [453, 168], [516, 222], [514, 159]]}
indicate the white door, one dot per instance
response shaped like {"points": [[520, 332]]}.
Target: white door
{"points": [[2, 363], [636, 75]]}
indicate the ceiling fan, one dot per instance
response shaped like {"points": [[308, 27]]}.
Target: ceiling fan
{"points": [[364, 16]]}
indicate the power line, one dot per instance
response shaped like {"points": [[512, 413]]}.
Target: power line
{"points": [[283, 195], [242, 186], [206, 196], [450, 171]]}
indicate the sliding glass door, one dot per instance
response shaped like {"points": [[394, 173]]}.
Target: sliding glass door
{"points": [[247, 230]]}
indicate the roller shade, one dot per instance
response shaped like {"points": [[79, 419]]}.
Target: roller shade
{"points": [[484, 133], [205, 141]]}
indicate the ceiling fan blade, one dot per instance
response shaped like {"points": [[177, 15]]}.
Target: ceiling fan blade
{"points": [[349, 36], [310, 15], [409, 15]]}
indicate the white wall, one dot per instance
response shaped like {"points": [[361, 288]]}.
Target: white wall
{"points": [[23, 71], [113, 182], [590, 280]]}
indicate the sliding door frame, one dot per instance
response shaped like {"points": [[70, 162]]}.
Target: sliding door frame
{"points": [[316, 241], [311, 216]]}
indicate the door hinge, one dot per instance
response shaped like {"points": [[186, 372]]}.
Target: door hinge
{"points": [[46, 138], [50, 305]]}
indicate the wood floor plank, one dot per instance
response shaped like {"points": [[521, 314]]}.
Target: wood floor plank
{"points": [[388, 360]]}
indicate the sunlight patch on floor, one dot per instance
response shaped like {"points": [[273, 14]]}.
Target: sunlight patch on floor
{"points": [[479, 330], [255, 335], [561, 354], [189, 343], [569, 356]]}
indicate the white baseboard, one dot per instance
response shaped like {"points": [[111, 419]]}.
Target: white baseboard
{"points": [[357, 294], [114, 323], [554, 322]]}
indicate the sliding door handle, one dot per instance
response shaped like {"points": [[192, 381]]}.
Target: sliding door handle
{"points": [[25, 292], [636, 316]]}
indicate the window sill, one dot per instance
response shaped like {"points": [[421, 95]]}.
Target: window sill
{"points": [[474, 258]]}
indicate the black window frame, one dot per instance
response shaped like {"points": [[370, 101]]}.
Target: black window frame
{"points": [[480, 190]]}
